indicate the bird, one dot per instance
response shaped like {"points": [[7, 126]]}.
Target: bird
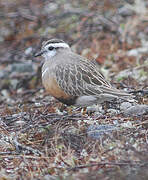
{"points": [[73, 79]]}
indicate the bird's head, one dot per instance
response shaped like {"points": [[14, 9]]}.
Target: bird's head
{"points": [[51, 47]]}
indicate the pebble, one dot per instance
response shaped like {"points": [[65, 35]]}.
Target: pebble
{"points": [[112, 111], [22, 67], [98, 131], [137, 110], [125, 105]]}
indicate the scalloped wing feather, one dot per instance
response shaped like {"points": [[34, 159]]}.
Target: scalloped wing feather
{"points": [[80, 79]]}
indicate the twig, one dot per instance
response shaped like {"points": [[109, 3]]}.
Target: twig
{"points": [[5, 154], [107, 163], [19, 147], [144, 92]]}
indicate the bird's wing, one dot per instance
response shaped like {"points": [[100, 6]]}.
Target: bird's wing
{"points": [[78, 79]]}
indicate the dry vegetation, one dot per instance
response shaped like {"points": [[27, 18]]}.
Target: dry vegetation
{"points": [[42, 139]]}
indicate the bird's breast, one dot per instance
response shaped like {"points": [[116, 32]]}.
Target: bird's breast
{"points": [[51, 85]]}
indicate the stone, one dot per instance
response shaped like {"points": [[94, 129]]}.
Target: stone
{"points": [[137, 110]]}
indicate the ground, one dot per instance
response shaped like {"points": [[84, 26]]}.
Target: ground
{"points": [[43, 139]]}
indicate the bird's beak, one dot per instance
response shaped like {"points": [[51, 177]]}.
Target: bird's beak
{"points": [[39, 53]]}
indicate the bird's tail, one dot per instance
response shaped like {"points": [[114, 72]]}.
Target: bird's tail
{"points": [[117, 93]]}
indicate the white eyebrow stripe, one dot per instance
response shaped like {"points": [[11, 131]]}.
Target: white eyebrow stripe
{"points": [[43, 73], [55, 45]]}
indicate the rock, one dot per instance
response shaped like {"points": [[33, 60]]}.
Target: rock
{"points": [[50, 7], [112, 111], [94, 108], [5, 93], [4, 74], [140, 74], [127, 124], [125, 105], [98, 114], [49, 177], [22, 67], [28, 51], [4, 32], [14, 83], [10, 76], [138, 51], [98, 131], [125, 11], [137, 110]]}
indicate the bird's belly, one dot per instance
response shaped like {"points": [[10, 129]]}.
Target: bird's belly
{"points": [[53, 88]]}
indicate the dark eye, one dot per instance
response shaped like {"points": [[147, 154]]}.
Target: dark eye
{"points": [[50, 48]]}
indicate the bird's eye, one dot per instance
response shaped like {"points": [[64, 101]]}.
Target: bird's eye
{"points": [[50, 48]]}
